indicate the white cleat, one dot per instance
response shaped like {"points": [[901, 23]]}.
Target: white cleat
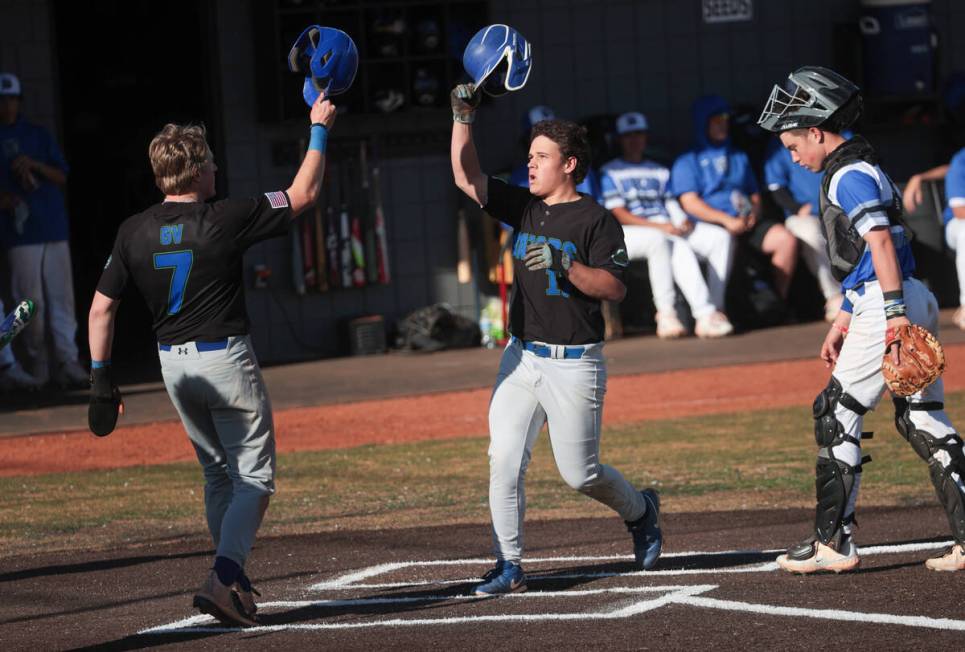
{"points": [[669, 326], [832, 307], [713, 325], [953, 559], [818, 557], [958, 318]]}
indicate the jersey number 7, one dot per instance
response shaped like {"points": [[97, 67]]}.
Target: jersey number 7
{"points": [[180, 262]]}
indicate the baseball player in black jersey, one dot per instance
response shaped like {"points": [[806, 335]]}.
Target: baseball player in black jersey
{"points": [[568, 255], [185, 257]]}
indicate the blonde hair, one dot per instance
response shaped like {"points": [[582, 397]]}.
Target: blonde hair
{"points": [[177, 154]]}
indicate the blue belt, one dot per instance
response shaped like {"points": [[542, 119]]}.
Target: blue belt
{"points": [[216, 345], [545, 351]]}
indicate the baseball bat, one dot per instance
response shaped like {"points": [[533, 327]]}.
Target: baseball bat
{"points": [[358, 250], [463, 267], [382, 247], [298, 278], [368, 219], [16, 321], [345, 236], [321, 271], [331, 234]]}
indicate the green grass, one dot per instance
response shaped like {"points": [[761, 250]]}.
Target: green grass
{"points": [[721, 462]]}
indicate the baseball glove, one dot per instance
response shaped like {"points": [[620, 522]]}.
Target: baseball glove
{"points": [[105, 402], [921, 359]]}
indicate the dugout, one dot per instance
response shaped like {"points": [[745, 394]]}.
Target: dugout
{"points": [[104, 92]]}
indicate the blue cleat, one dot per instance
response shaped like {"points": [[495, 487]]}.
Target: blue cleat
{"points": [[506, 577], [647, 538]]}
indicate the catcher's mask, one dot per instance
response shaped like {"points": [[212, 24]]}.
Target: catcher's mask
{"points": [[498, 59], [328, 58], [812, 97]]}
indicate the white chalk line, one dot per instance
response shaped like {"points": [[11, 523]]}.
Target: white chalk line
{"points": [[351, 581], [676, 594], [192, 625]]}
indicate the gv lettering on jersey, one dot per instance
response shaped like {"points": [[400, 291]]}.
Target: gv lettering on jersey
{"points": [[171, 234]]}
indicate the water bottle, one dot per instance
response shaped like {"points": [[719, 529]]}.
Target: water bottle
{"points": [[485, 326]]}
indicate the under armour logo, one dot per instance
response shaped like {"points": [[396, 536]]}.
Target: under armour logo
{"points": [[182, 350]]}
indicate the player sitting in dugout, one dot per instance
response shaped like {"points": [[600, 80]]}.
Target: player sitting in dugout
{"points": [[796, 189], [714, 183], [953, 217], [637, 191]]}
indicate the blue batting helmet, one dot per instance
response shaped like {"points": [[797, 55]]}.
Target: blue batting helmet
{"points": [[329, 59], [498, 59]]}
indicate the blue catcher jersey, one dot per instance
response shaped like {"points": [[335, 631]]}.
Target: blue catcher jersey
{"points": [[865, 192], [641, 188]]}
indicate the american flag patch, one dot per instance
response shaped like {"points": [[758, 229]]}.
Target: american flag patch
{"points": [[277, 199]]}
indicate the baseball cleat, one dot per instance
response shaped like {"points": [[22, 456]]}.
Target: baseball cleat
{"points": [[713, 325], [246, 593], [832, 307], [647, 537], [223, 603], [812, 556], [71, 375], [953, 559], [506, 577], [669, 326]]}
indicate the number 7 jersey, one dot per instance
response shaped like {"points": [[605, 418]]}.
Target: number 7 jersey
{"points": [[186, 261]]}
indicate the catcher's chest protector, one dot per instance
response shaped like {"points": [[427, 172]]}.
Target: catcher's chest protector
{"points": [[844, 244]]}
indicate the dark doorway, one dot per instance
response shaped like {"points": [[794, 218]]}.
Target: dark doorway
{"points": [[127, 67]]}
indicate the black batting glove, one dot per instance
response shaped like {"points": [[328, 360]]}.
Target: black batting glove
{"points": [[105, 402]]}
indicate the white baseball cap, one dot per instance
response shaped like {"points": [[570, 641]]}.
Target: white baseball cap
{"points": [[9, 84], [630, 122]]}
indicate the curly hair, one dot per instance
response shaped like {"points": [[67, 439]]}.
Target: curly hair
{"points": [[572, 141], [177, 154]]}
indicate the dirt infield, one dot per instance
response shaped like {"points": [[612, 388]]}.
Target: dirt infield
{"points": [[716, 587], [630, 399], [409, 588]]}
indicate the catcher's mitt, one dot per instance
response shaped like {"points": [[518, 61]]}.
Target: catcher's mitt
{"points": [[921, 359]]}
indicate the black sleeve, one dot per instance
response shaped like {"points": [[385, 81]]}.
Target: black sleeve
{"points": [[114, 277], [607, 249], [507, 203], [783, 197], [258, 218]]}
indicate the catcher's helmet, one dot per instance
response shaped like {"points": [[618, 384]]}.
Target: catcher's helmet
{"points": [[329, 59], [498, 59], [812, 97]]}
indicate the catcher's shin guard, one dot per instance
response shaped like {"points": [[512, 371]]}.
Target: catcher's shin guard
{"points": [[835, 480], [945, 458]]}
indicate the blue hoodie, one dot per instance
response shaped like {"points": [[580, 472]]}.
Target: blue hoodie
{"points": [[720, 174]]}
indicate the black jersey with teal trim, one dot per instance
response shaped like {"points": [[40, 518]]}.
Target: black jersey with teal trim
{"points": [[186, 261], [545, 307]]}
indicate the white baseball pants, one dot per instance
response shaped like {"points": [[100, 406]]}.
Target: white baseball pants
{"points": [[568, 396]]}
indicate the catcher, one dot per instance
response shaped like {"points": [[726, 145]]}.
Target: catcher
{"points": [[872, 341]]}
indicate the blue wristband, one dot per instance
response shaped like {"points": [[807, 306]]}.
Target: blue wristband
{"points": [[319, 138], [99, 364]]}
